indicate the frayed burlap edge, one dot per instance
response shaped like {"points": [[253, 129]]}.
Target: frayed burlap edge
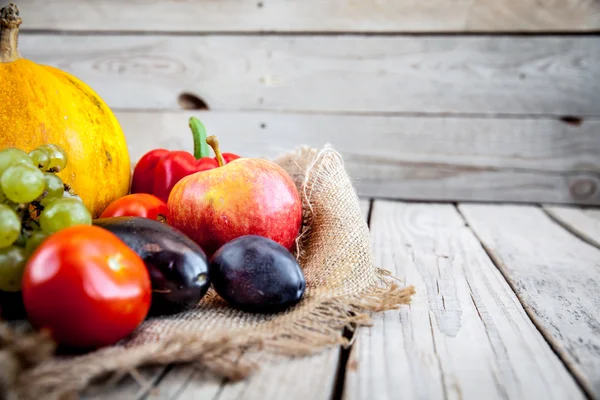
{"points": [[222, 355], [225, 354]]}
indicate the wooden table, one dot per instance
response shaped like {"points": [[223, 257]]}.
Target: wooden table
{"points": [[507, 307]]}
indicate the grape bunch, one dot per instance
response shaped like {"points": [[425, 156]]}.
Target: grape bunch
{"points": [[34, 203]]}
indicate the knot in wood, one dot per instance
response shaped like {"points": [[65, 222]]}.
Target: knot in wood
{"points": [[583, 188]]}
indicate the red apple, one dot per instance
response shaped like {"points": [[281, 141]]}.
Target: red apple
{"points": [[247, 196]]}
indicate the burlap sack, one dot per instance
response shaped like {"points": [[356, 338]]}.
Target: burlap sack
{"points": [[342, 285]]}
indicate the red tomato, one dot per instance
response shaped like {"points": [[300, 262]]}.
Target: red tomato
{"points": [[137, 205], [86, 287]]}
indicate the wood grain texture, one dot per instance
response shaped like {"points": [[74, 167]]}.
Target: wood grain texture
{"points": [[313, 15], [535, 160], [186, 382], [465, 335], [534, 15], [296, 379], [583, 222], [380, 74], [126, 387], [555, 275]]}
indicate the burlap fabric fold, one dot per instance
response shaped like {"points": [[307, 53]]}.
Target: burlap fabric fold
{"points": [[343, 286]]}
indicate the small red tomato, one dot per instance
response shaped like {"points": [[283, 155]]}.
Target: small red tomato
{"points": [[86, 287], [137, 205]]}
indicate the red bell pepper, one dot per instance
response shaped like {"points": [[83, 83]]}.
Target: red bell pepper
{"points": [[160, 169]]}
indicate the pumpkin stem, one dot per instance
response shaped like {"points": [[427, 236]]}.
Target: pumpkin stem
{"points": [[9, 33]]}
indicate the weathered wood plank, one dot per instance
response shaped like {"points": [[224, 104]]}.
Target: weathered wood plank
{"points": [[300, 378], [465, 336], [314, 15], [555, 275], [584, 222], [365, 207], [533, 15], [392, 74], [295, 379], [271, 381], [438, 158], [127, 387], [186, 382]]}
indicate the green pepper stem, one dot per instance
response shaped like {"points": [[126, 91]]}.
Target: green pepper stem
{"points": [[214, 143], [201, 148]]}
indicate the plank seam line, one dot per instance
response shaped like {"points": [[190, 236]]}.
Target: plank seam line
{"points": [[552, 343], [156, 381], [569, 228], [221, 388], [345, 352], [342, 366], [384, 114], [592, 32], [437, 356], [497, 383]]}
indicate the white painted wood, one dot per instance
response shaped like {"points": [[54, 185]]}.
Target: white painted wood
{"points": [[295, 379], [555, 275], [422, 182], [125, 388], [542, 144], [313, 15], [465, 335], [531, 160], [184, 382], [584, 222], [392, 74], [365, 207], [298, 379], [534, 15]]}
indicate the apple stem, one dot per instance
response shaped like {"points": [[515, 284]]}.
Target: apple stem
{"points": [[213, 142], [201, 148]]}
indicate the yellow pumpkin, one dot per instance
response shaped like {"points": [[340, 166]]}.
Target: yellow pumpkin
{"points": [[41, 104]]}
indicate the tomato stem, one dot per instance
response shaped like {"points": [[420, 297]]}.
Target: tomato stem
{"points": [[201, 148]]}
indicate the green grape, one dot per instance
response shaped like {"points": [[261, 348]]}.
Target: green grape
{"points": [[10, 226], [40, 158], [58, 157], [62, 213], [75, 196], [12, 263], [54, 186], [2, 196], [12, 156], [35, 239], [22, 183]]}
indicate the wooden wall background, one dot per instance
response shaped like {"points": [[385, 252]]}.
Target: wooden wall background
{"points": [[493, 100]]}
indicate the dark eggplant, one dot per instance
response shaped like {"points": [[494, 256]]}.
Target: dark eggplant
{"points": [[256, 274], [11, 306], [177, 266]]}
